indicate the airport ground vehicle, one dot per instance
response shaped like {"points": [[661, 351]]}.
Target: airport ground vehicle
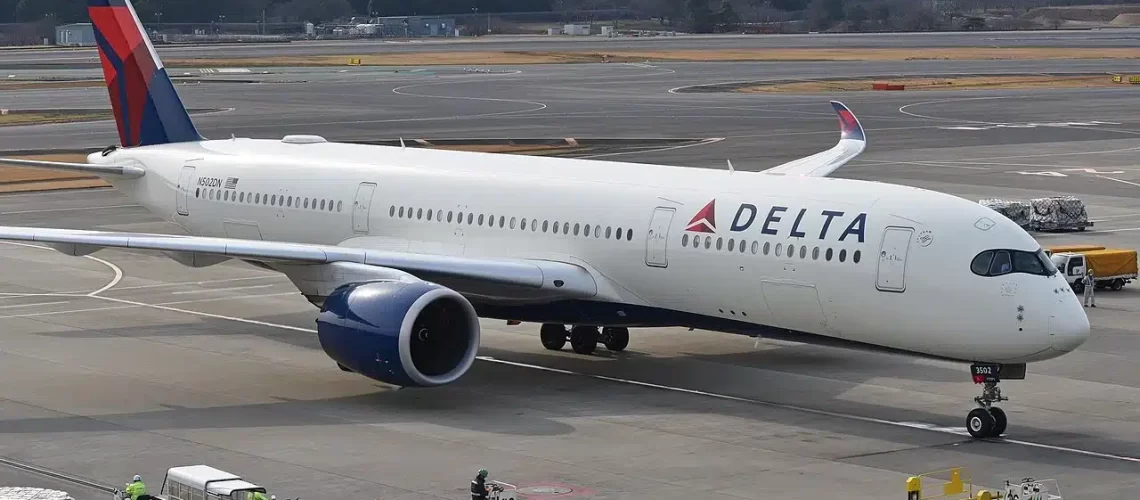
{"points": [[201, 482], [1112, 267], [1070, 248]]}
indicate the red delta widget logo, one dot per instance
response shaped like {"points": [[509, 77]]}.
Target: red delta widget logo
{"points": [[779, 221]]}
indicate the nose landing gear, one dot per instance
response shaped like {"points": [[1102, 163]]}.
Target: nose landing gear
{"points": [[987, 421]]}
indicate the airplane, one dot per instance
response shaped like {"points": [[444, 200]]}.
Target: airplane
{"points": [[403, 250]]}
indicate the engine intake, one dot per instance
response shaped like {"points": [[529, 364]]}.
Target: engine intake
{"points": [[405, 333]]}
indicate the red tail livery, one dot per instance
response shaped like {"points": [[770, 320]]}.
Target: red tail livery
{"points": [[147, 109]]}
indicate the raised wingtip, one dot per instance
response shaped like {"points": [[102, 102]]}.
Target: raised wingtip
{"points": [[849, 126]]}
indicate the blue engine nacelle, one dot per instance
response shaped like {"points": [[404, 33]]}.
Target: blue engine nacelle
{"points": [[405, 333]]}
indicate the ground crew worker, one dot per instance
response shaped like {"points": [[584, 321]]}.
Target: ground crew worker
{"points": [[479, 486], [257, 495], [136, 488], [1090, 283]]}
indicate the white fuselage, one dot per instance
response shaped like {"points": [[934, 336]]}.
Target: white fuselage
{"points": [[908, 288]]}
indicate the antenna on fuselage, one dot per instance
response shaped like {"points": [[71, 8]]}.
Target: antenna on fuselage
{"points": [[402, 143], [730, 169]]}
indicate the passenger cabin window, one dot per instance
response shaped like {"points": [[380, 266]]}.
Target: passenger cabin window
{"points": [[1002, 262]]}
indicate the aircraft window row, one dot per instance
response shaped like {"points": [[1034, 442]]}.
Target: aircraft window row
{"points": [[502, 222], [778, 250], [227, 195], [1002, 262]]}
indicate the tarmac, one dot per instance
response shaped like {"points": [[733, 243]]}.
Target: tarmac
{"points": [[127, 362], [1103, 38]]}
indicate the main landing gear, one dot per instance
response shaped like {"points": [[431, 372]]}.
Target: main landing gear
{"points": [[987, 421], [584, 339]]}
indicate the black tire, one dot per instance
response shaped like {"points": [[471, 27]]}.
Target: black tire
{"points": [[615, 339], [553, 336], [979, 423], [1078, 288], [1117, 284], [999, 421], [584, 339]]}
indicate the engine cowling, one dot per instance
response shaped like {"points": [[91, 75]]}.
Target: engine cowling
{"points": [[405, 333]]}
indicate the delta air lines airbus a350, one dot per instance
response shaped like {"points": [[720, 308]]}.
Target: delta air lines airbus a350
{"points": [[403, 249]]}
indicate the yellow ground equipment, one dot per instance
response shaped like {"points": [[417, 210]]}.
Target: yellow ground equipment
{"points": [[949, 484], [1112, 267], [1071, 248]]}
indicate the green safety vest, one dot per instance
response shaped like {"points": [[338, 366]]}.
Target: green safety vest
{"points": [[135, 489]]}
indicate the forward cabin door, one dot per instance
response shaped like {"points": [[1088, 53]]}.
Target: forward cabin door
{"points": [[892, 259], [360, 207], [183, 192], [657, 239]]}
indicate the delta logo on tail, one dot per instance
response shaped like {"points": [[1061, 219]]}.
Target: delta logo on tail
{"points": [[147, 109], [705, 220]]}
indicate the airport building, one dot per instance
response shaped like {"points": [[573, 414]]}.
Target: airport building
{"points": [[416, 26], [79, 34]]}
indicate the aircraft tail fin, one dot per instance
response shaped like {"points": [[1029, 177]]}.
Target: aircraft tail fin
{"points": [[146, 107]]}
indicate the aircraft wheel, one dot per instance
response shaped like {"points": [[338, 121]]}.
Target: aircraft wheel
{"points": [[584, 339], [980, 423], [999, 421], [553, 336], [615, 339]]}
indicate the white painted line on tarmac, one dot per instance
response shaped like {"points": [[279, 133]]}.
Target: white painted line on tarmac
{"points": [[1122, 181], [211, 290], [14, 306], [206, 282], [115, 281], [131, 304]]}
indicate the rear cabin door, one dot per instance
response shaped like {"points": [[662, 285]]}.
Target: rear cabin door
{"points": [[184, 188], [360, 207], [657, 239], [892, 259]]}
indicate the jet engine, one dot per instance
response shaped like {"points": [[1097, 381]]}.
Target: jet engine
{"points": [[408, 333]]}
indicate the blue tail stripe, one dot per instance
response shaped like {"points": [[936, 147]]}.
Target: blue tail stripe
{"points": [[165, 119]]}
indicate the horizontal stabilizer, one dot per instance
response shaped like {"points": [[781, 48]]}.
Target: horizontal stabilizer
{"points": [[852, 142], [125, 171]]}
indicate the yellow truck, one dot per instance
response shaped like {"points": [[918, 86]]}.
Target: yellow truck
{"points": [[1112, 267], [1071, 248]]}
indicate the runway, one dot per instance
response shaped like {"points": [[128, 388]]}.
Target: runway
{"points": [[130, 363]]}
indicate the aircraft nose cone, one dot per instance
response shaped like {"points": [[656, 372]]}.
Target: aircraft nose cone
{"points": [[1069, 328]]}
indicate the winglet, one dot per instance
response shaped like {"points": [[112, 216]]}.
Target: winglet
{"points": [[852, 142], [146, 107], [849, 126]]}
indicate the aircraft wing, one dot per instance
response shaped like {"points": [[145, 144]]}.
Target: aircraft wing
{"points": [[554, 278], [127, 171], [852, 141]]}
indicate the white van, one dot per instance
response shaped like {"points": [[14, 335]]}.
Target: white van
{"points": [[202, 482]]}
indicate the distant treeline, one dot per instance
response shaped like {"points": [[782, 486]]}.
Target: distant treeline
{"points": [[694, 15]]}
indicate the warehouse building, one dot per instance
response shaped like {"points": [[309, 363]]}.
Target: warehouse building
{"points": [[79, 34]]}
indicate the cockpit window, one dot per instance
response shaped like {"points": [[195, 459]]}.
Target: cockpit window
{"points": [[1047, 263], [981, 264], [1002, 262], [1028, 262]]}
